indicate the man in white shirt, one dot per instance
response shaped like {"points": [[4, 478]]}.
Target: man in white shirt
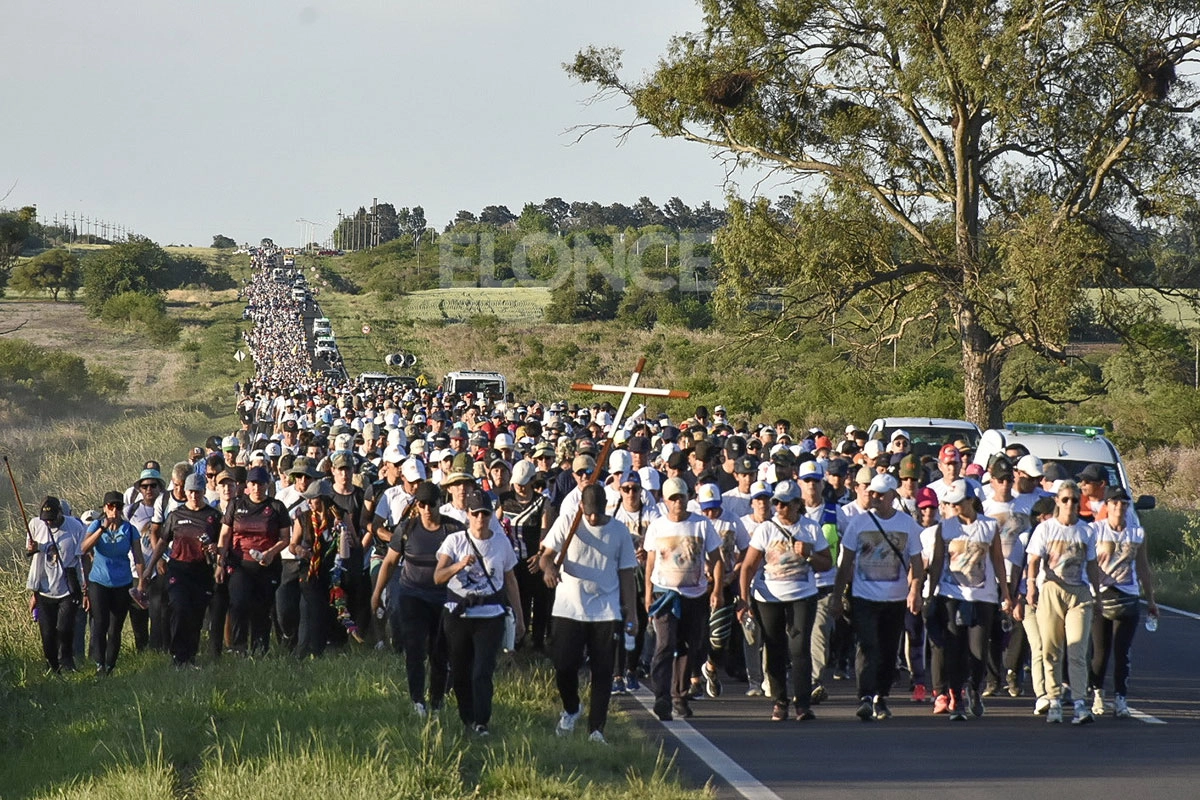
{"points": [[593, 600], [55, 581]]}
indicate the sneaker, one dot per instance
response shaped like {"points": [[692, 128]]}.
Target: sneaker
{"points": [[1041, 706], [481, 730], [941, 704], [712, 686], [841, 675], [566, 722], [1098, 703], [1054, 712], [920, 693], [631, 680], [804, 714], [1082, 715], [754, 691], [818, 695], [958, 706], [662, 709], [990, 689], [422, 712], [695, 691], [618, 686], [958, 715], [866, 710], [880, 708], [1014, 684], [596, 737], [681, 708], [975, 702], [1121, 708], [779, 713]]}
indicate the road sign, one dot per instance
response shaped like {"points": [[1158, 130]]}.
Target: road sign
{"points": [[422, 380], [239, 356], [366, 329]]}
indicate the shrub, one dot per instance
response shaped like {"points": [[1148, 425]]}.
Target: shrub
{"points": [[148, 312], [32, 375]]}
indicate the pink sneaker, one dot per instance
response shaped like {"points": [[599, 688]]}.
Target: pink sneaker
{"points": [[920, 695]]}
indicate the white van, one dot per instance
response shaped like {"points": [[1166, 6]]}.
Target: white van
{"points": [[322, 327], [479, 383]]}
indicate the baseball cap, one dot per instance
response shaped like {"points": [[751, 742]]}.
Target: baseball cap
{"points": [[393, 455], [864, 475], [910, 467], [583, 463], [639, 445], [651, 478], [675, 487], [882, 483], [1116, 494], [898, 434], [1031, 465], [631, 477], [195, 483], [413, 470], [759, 489], [926, 498], [735, 446], [341, 459], [258, 475], [811, 471], [786, 491], [958, 492], [973, 471], [822, 442], [838, 467], [745, 465], [593, 499], [523, 472], [1093, 473], [51, 509], [708, 496], [949, 455], [478, 501]]}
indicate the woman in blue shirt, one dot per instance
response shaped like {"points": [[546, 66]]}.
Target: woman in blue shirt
{"points": [[110, 540]]}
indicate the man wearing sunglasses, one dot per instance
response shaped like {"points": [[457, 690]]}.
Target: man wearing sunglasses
{"points": [[149, 624]]}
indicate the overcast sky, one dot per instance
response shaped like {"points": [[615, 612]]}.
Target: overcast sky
{"points": [[189, 118]]}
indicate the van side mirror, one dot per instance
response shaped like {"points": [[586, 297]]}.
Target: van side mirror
{"points": [[1145, 502]]}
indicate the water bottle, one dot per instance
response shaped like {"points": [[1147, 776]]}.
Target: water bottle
{"points": [[1006, 623], [1151, 623], [630, 636], [257, 555]]}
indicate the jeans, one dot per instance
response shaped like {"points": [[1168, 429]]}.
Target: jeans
{"points": [[1112, 638], [424, 638], [677, 642], [473, 644], [109, 606], [572, 640], [879, 627], [787, 634], [1064, 616]]}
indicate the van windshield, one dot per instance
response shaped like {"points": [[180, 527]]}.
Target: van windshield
{"points": [[476, 386], [928, 441]]}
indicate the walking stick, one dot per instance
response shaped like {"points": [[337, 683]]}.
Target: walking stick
{"points": [[20, 505]]}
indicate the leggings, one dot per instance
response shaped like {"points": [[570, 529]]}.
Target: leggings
{"points": [[109, 605], [1112, 638], [968, 629], [473, 644], [424, 638], [251, 594]]}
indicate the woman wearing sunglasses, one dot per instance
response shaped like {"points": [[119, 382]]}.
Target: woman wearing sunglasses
{"points": [[110, 540], [1062, 570]]}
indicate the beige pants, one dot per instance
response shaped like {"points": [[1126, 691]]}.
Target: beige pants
{"points": [[1064, 618]]}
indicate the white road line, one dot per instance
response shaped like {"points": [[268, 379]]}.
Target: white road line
{"points": [[733, 773], [1179, 611], [1144, 717]]}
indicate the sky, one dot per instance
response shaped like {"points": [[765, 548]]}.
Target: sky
{"points": [[181, 120]]}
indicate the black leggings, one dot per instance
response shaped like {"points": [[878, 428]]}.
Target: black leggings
{"points": [[572, 640], [189, 589], [879, 627], [967, 644], [109, 606], [787, 634], [1112, 638], [473, 644], [537, 600], [424, 638], [251, 593]]}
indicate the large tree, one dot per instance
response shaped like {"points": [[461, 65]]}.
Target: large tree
{"points": [[982, 161], [52, 271]]}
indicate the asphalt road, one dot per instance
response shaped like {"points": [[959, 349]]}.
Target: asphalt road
{"points": [[1008, 753]]}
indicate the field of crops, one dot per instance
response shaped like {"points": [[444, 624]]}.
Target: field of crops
{"points": [[459, 305]]}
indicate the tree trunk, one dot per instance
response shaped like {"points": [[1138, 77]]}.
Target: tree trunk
{"points": [[981, 371]]}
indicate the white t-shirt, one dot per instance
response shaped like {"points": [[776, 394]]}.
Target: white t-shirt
{"points": [[967, 569], [734, 540], [296, 505], [498, 558], [58, 550], [637, 521], [1064, 550], [734, 504], [590, 588], [680, 551], [880, 574], [783, 575], [392, 504], [1116, 554]]}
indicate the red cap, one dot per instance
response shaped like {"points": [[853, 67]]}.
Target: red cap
{"points": [[949, 454], [926, 498], [823, 441]]}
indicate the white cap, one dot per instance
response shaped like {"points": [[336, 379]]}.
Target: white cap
{"points": [[882, 484], [504, 441], [873, 448], [619, 461], [850, 429], [896, 434], [958, 492], [393, 454], [708, 496], [344, 441], [811, 469], [413, 470], [651, 478], [523, 472], [786, 492], [674, 487], [1031, 465]]}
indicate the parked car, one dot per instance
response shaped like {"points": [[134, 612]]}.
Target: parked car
{"points": [[926, 434]]}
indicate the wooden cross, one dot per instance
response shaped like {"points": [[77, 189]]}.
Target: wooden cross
{"points": [[628, 391]]}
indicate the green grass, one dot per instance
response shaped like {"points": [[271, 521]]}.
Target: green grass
{"points": [[526, 304]]}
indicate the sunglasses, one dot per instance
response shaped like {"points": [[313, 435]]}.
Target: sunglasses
{"points": [[211, 474], [629, 489], [1069, 501], [481, 513], [583, 472], [780, 502]]}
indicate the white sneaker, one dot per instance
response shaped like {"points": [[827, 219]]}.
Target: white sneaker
{"points": [[1041, 706], [1082, 715], [1054, 712], [1098, 703], [566, 722], [1121, 708], [422, 712], [597, 737]]}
